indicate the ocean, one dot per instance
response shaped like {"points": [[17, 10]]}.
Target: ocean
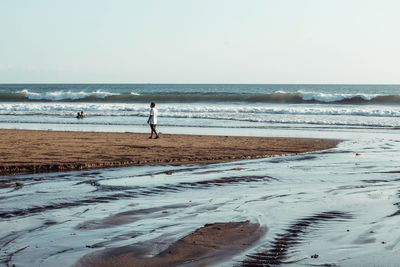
{"points": [[338, 207], [124, 107]]}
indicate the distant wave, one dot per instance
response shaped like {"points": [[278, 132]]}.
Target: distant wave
{"points": [[65, 95], [277, 97]]}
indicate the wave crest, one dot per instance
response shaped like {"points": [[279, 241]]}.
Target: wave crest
{"points": [[299, 97]]}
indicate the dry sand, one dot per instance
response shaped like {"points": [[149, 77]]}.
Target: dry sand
{"points": [[27, 151]]}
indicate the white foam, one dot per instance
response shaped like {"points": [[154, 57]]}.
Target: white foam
{"points": [[65, 95], [190, 110], [326, 97]]}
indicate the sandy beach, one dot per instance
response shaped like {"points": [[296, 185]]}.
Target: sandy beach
{"points": [[26, 151], [295, 209]]}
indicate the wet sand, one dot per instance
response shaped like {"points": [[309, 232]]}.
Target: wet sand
{"points": [[338, 207], [207, 245], [27, 151]]}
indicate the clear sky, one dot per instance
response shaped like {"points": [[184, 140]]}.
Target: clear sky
{"points": [[200, 41]]}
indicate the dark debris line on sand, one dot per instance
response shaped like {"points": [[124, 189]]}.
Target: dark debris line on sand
{"points": [[397, 204], [279, 248]]}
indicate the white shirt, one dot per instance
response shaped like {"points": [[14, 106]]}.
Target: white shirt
{"points": [[153, 113]]}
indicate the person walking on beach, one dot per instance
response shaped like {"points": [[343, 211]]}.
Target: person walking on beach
{"points": [[153, 120]]}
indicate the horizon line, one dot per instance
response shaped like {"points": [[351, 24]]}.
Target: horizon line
{"points": [[160, 83]]}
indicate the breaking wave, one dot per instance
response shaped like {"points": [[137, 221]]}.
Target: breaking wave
{"points": [[188, 110], [236, 115], [299, 97]]}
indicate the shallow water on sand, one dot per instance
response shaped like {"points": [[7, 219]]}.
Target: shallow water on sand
{"points": [[342, 205]]}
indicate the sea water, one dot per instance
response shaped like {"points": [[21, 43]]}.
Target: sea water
{"points": [[125, 107], [340, 204]]}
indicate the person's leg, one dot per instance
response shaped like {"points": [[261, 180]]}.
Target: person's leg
{"points": [[153, 128], [151, 132]]}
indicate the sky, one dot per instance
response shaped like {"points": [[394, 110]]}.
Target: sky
{"points": [[200, 41]]}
